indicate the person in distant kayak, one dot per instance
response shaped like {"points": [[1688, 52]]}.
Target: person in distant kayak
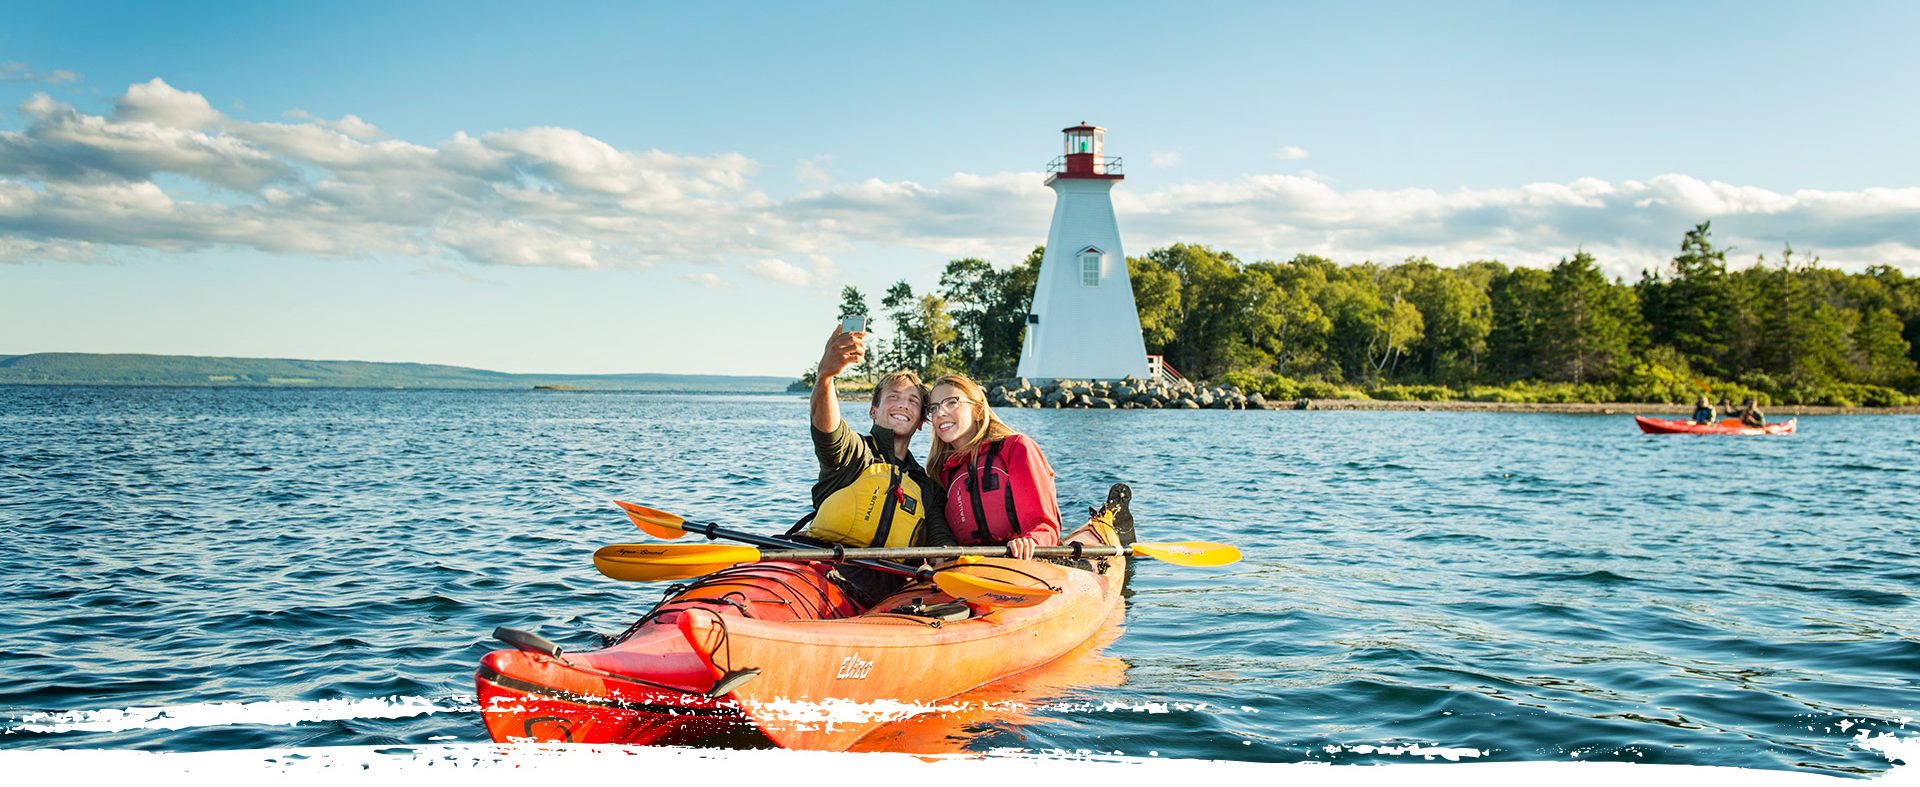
{"points": [[1749, 413], [871, 491], [1703, 411], [998, 486]]}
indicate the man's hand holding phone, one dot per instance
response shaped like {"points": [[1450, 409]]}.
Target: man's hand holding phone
{"points": [[846, 347]]}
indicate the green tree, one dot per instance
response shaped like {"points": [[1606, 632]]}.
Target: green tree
{"points": [[1880, 353], [1286, 323], [1353, 303], [1212, 307], [1156, 296], [1589, 330], [923, 332], [972, 292], [989, 307], [1803, 336], [909, 343], [939, 334], [1518, 299], [1691, 308], [1010, 319], [1457, 316]]}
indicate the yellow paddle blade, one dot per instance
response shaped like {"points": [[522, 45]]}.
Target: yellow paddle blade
{"points": [[661, 562], [991, 592], [1189, 553], [653, 521]]}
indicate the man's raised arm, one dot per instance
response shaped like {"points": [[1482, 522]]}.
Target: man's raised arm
{"points": [[843, 350]]}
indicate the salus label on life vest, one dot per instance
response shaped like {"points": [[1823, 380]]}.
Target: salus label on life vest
{"points": [[854, 668]]}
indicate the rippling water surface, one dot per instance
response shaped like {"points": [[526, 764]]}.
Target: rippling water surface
{"points": [[1530, 587]]}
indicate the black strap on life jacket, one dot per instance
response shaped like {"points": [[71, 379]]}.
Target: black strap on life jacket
{"points": [[975, 481], [886, 511]]}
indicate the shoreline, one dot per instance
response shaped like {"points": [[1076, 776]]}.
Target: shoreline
{"points": [[1586, 408]]}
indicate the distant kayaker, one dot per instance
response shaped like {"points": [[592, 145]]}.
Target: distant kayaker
{"points": [[998, 486], [1749, 413], [1703, 410], [871, 491]]}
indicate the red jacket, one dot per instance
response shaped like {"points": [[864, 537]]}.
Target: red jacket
{"points": [[1017, 481]]}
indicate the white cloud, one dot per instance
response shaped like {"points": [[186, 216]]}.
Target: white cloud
{"points": [[823, 267], [1291, 153], [20, 72], [810, 171], [1164, 158], [707, 279], [780, 271], [164, 171], [159, 103], [350, 125]]}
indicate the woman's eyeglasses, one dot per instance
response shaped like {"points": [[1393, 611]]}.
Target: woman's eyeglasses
{"points": [[949, 403]]}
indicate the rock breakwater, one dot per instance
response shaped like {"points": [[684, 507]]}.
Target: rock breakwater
{"points": [[1128, 393]]}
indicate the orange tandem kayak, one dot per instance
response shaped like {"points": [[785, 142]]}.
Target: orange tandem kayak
{"points": [[772, 649], [1728, 426]]}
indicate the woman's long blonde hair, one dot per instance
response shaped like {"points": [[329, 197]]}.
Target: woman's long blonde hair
{"points": [[987, 427]]}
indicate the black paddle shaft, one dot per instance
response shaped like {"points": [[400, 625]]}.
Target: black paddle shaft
{"points": [[713, 531], [932, 553]]}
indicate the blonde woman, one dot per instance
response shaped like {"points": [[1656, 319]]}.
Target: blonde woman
{"points": [[999, 487]]}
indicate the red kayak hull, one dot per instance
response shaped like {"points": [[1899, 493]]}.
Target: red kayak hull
{"points": [[1666, 426], [823, 674]]}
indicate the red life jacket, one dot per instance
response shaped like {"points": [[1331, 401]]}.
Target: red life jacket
{"points": [[982, 493]]}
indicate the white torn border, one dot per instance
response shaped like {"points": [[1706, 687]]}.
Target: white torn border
{"points": [[221, 714], [284, 713], [471, 765], [488, 761]]}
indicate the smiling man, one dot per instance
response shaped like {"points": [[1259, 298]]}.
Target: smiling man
{"points": [[871, 492]]}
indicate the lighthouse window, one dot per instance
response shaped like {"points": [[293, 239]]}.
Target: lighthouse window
{"points": [[1090, 268]]}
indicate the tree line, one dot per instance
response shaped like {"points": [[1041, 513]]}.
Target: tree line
{"points": [[1785, 330]]}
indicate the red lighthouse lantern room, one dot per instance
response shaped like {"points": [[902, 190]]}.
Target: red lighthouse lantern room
{"points": [[1085, 155]]}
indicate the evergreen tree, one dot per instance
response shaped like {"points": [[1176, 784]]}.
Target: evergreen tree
{"points": [[972, 292], [1588, 331], [909, 343], [1518, 298], [1690, 310]]}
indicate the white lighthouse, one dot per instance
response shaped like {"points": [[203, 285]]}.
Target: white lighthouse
{"points": [[1083, 323]]}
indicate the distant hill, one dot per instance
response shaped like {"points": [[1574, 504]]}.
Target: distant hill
{"points": [[194, 370]]}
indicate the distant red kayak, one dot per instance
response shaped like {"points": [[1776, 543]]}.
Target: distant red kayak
{"points": [[1729, 426]]}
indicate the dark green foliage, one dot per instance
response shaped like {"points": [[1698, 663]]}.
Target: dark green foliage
{"points": [[1590, 326], [989, 309], [1309, 327], [1691, 308]]}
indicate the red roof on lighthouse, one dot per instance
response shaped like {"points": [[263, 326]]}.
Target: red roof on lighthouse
{"points": [[1085, 157]]}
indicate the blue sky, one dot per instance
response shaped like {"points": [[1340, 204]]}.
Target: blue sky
{"points": [[614, 187]]}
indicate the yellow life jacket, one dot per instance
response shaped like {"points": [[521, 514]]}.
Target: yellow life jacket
{"points": [[881, 508]]}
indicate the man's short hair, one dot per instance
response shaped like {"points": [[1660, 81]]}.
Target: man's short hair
{"points": [[896, 378]]}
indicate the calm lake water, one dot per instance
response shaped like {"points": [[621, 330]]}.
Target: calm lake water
{"points": [[204, 569]]}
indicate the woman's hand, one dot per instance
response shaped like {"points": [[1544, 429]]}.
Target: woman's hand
{"points": [[1022, 548]]}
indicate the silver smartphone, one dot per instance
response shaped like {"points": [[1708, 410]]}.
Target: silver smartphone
{"points": [[853, 323]]}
